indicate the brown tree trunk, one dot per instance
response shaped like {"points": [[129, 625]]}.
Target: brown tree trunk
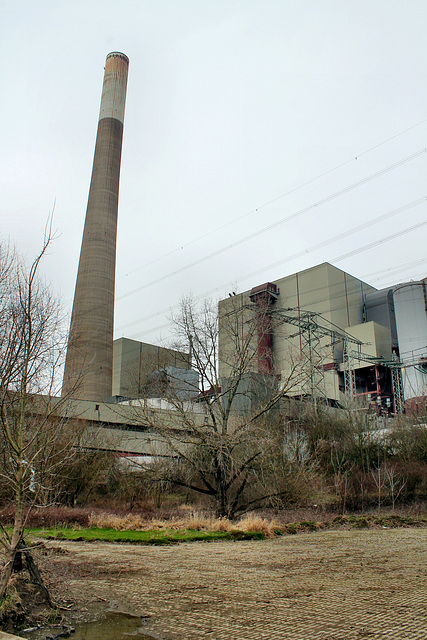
{"points": [[7, 568]]}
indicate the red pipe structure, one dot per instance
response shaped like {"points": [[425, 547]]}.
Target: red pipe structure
{"points": [[264, 296]]}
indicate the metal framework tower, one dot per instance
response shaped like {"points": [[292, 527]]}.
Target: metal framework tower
{"points": [[312, 327], [349, 369], [89, 361], [396, 377]]}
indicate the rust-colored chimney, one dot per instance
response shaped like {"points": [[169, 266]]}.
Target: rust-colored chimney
{"points": [[264, 296]]}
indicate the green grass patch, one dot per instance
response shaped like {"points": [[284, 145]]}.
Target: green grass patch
{"points": [[142, 537], [174, 536], [299, 527], [390, 521]]}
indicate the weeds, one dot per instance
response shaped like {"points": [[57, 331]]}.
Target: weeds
{"points": [[199, 527], [251, 523], [186, 523]]}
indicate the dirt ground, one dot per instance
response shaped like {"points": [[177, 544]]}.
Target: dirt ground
{"points": [[332, 585]]}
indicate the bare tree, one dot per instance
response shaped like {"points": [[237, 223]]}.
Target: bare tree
{"points": [[35, 443], [342, 472], [379, 476], [394, 481], [219, 435]]}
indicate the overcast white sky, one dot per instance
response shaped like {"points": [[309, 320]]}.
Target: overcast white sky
{"points": [[240, 114]]}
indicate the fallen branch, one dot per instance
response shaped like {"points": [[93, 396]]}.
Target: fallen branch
{"points": [[99, 598]]}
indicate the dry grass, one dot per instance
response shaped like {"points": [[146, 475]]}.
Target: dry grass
{"points": [[194, 521], [106, 520], [252, 522], [267, 522]]}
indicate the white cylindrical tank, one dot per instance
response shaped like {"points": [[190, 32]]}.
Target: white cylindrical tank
{"points": [[410, 305]]}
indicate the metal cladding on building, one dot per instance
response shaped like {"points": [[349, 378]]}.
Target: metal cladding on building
{"points": [[348, 339], [89, 361]]}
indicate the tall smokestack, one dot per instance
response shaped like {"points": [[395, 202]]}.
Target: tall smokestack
{"points": [[89, 361]]}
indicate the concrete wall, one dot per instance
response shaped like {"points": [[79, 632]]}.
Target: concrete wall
{"points": [[253, 392], [379, 307], [376, 341], [134, 361], [134, 429]]}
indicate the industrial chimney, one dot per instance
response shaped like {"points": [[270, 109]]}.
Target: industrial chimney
{"points": [[264, 296], [89, 361]]}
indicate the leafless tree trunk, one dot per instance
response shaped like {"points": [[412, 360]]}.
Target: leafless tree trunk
{"points": [[378, 476], [33, 438]]}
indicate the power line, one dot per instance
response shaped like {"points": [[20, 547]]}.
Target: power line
{"points": [[397, 267], [342, 257], [381, 241], [266, 204], [315, 247], [341, 236], [292, 216]]}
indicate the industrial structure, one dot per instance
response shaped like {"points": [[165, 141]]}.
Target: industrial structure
{"points": [[89, 361], [142, 370], [402, 309], [349, 339]]}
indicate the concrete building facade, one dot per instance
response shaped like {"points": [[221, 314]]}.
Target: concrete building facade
{"points": [[346, 336], [326, 295], [142, 370]]}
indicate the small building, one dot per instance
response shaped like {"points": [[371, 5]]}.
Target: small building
{"points": [[141, 369]]}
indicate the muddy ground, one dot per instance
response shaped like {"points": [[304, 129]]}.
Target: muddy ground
{"points": [[331, 585]]}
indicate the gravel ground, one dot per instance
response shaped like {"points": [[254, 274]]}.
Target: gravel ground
{"points": [[332, 585]]}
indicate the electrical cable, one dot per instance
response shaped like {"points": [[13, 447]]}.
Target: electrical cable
{"points": [[292, 216], [397, 267], [346, 255], [344, 234], [315, 247], [342, 257], [359, 250], [223, 287], [266, 204], [381, 241]]}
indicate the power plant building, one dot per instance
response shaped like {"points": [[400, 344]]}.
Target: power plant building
{"points": [[341, 334], [404, 311]]}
